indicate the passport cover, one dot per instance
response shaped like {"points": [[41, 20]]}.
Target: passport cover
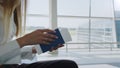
{"points": [[54, 43]]}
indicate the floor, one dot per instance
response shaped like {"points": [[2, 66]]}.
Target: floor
{"points": [[104, 59]]}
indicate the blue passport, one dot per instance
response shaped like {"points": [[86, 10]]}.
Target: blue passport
{"points": [[54, 43]]}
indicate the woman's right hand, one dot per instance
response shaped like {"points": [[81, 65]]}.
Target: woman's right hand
{"points": [[40, 36]]}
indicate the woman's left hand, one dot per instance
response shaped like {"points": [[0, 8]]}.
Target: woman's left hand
{"points": [[34, 51], [52, 49], [55, 48]]}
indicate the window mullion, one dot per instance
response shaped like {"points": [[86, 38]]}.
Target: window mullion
{"points": [[53, 13]]}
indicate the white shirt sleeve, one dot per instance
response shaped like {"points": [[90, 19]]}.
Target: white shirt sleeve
{"points": [[26, 53], [10, 51], [38, 48]]}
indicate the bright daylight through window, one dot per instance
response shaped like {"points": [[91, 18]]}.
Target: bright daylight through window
{"points": [[93, 24]]}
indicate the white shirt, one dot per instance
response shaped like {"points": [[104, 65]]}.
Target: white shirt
{"points": [[10, 52]]}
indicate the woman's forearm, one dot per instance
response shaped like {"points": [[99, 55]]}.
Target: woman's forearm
{"points": [[21, 42], [37, 37]]}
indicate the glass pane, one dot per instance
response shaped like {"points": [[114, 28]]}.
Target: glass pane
{"points": [[117, 8], [102, 8], [38, 7], [102, 32], [34, 23], [78, 47], [77, 27], [117, 22], [73, 7], [75, 48]]}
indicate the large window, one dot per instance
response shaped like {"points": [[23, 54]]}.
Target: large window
{"points": [[93, 24], [38, 7], [117, 8], [37, 15], [117, 20], [73, 7], [102, 8]]}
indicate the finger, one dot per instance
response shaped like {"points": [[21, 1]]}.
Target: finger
{"points": [[48, 31], [44, 42], [50, 36], [48, 39], [55, 48], [44, 31], [34, 50], [60, 45], [51, 49]]}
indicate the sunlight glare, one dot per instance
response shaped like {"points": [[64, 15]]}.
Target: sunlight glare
{"points": [[117, 4]]}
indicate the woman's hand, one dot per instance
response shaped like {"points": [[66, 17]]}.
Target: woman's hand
{"points": [[34, 51], [37, 37], [55, 48]]}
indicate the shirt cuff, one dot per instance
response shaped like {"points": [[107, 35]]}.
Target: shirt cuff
{"points": [[38, 49], [27, 53]]}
